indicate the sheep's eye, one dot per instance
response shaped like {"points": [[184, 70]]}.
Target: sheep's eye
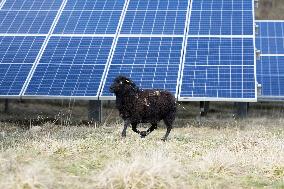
{"points": [[127, 81], [120, 82]]}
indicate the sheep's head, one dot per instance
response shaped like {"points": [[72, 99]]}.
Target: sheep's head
{"points": [[122, 85]]}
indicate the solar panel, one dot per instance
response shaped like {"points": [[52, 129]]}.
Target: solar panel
{"points": [[90, 17], [154, 22], [158, 5], [270, 74], [152, 58], [155, 17], [17, 55], [229, 22], [270, 39], [219, 68], [219, 63], [31, 22], [70, 67], [32, 4], [221, 17], [152, 62], [271, 64], [87, 43], [94, 5], [88, 22]]}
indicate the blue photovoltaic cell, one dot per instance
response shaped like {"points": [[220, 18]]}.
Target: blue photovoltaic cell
{"points": [[150, 62], [228, 22], [158, 5], [219, 68], [17, 55], [145, 76], [94, 5], [71, 66], [225, 5], [19, 49], [270, 39], [221, 17], [12, 78], [218, 82], [65, 80], [32, 5], [88, 22], [270, 74], [220, 51], [38, 22], [154, 22]]}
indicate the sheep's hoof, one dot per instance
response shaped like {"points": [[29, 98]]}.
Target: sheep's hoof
{"points": [[164, 139], [143, 134]]}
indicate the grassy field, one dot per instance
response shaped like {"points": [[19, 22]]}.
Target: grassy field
{"points": [[203, 154]]}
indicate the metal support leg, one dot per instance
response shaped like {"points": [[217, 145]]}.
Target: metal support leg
{"points": [[241, 109], [95, 110], [204, 108]]}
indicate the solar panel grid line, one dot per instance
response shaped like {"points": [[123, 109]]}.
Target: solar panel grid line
{"points": [[20, 10], [222, 36], [107, 67], [254, 46], [88, 22], [150, 35], [184, 52], [83, 35], [184, 48], [94, 5], [26, 21], [22, 34], [2, 3], [32, 5], [271, 54], [43, 48], [265, 21]]}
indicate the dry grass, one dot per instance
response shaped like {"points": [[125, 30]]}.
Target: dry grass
{"points": [[270, 10], [231, 154]]}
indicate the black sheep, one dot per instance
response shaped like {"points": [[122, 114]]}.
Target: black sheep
{"points": [[143, 106]]}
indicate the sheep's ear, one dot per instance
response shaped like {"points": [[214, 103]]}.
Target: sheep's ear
{"points": [[127, 81]]}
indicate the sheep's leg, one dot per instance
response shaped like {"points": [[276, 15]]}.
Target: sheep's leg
{"points": [[169, 122], [152, 128], [169, 128], [134, 128], [126, 124]]}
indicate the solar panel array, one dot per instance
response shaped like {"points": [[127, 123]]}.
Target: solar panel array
{"points": [[270, 67], [75, 48], [150, 45], [220, 60]]}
